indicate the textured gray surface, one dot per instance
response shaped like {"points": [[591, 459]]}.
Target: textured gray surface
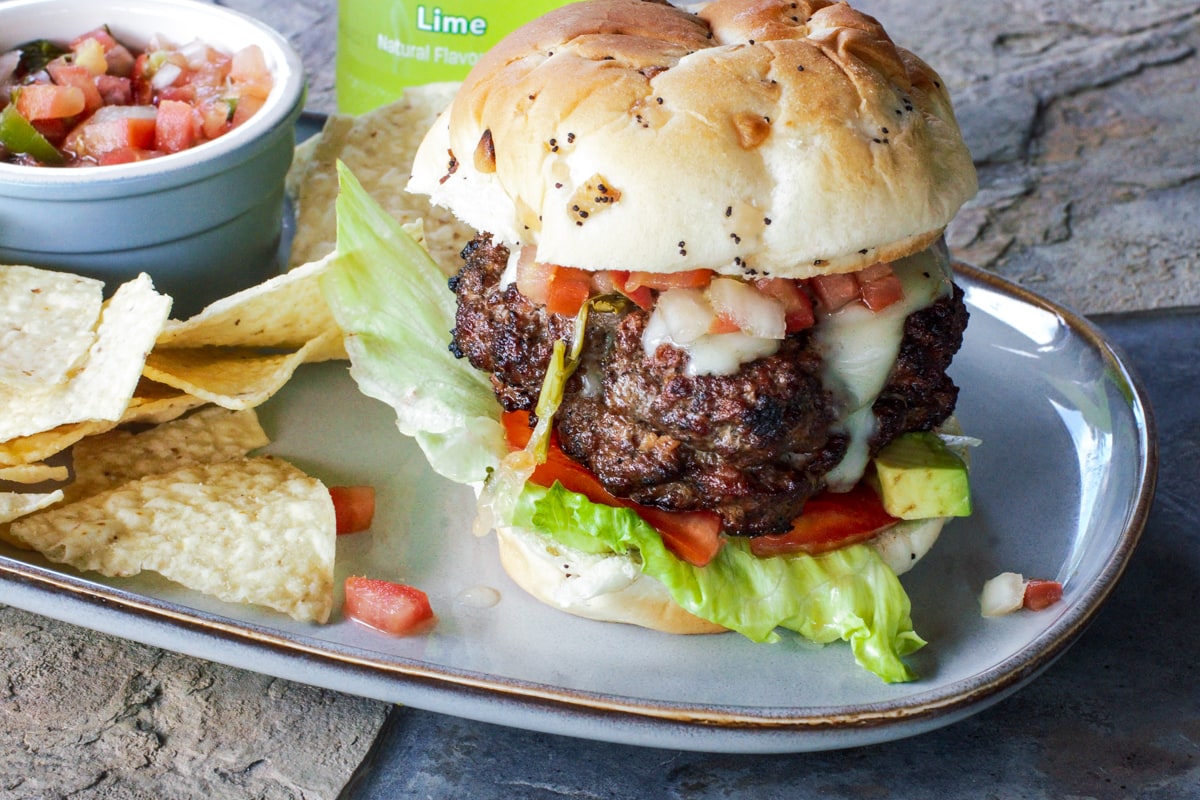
{"points": [[1084, 118]]}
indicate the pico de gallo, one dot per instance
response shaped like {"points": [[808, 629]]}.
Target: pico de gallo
{"points": [[94, 101]]}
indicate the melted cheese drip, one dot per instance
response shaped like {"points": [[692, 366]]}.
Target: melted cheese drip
{"points": [[860, 347]]}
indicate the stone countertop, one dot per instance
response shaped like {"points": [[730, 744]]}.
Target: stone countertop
{"points": [[1084, 120]]}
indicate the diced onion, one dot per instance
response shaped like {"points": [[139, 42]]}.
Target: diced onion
{"points": [[1002, 595], [685, 313], [754, 312], [166, 75]]}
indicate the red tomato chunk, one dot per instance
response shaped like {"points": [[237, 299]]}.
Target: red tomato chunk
{"points": [[353, 507], [1041, 594], [96, 102], [394, 608]]}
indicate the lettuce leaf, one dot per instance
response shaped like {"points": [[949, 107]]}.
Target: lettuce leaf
{"points": [[391, 300], [848, 594]]}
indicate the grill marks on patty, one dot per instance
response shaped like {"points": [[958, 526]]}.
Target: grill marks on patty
{"points": [[752, 446]]}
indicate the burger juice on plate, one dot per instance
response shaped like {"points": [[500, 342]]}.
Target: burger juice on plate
{"points": [[708, 295]]}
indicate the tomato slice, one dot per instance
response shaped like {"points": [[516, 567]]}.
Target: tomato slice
{"points": [[831, 520], [353, 507], [693, 536], [395, 608]]}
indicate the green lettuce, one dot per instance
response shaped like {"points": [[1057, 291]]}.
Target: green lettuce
{"points": [[847, 594], [391, 300]]}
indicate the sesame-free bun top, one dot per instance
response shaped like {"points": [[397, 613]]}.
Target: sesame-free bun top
{"points": [[788, 138]]}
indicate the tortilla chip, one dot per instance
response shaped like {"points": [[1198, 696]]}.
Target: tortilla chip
{"points": [[378, 147], [234, 377], [154, 403], [100, 390], [246, 531], [44, 444], [209, 436], [34, 473], [47, 324], [14, 505], [286, 311]]}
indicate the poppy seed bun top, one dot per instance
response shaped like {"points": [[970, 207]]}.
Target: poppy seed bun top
{"points": [[759, 136]]}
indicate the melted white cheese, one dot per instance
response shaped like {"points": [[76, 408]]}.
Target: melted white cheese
{"points": [[860, 347]]}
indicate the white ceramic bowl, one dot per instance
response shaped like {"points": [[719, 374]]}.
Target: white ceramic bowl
{"points": [[203, 222]]}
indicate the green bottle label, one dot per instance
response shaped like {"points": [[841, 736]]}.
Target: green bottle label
{"points": [[386, 45]]}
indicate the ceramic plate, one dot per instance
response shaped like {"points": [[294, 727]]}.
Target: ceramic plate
{"points": [[1063, 483]]}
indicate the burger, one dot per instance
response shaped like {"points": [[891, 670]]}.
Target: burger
{"points": [[709, 292]]}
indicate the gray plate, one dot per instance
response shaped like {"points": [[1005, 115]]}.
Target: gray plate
{"points": [[1063, 485]]}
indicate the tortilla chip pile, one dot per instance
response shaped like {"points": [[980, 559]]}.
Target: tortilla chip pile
{"points": [[155, 419], [127, 438], [378, 147]]}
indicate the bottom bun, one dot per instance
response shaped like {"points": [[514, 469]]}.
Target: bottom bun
{"points": [[612, 588], [609, 588]]}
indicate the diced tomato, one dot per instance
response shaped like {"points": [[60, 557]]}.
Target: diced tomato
{"points": [[879, 286], [125, 155], [113, 128], [1041, 594], [693, 536], [563, 290], [47, 101], [120, 61], [248, 71], [173, 129], [661, 281], [723, 324], [642, 296], [569, 290], [533, 276], [797, 307], [65, 74], [834, 291], [114, 90], [182, 94], [216, 118], [830, 520], [395, 608], [353, 507], [100, 34]]}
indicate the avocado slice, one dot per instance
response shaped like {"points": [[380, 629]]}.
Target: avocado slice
{"points": [[920, 477]]}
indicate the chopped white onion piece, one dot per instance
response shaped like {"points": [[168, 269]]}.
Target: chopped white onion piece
{"points": [[754, 312], [1003, 594], [165, 75], [195, 53], [685, 313]]}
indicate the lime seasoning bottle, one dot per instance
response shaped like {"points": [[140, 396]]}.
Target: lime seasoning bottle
{"points": [[386, 45]]}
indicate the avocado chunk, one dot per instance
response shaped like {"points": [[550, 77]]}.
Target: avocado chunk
{"points": [[920, 477]]}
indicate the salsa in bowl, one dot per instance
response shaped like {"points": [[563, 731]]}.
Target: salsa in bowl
{"points": [[203, 221]]}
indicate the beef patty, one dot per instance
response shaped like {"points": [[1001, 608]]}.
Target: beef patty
{"points": [[752, 446]]}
